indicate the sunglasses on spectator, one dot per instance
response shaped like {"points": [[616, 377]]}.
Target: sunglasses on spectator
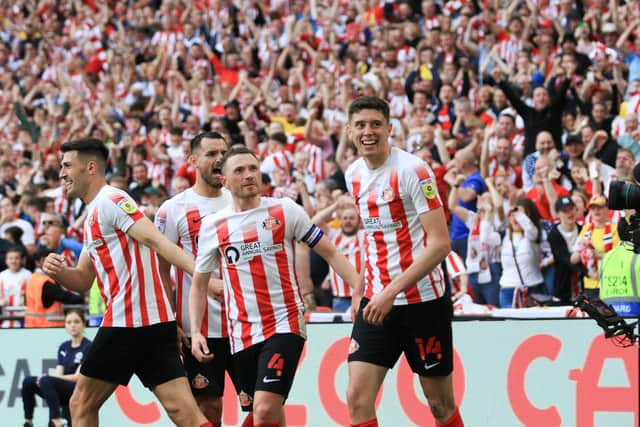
{"points": [[50, 222]]}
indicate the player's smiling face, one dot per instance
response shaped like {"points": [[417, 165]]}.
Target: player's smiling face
{"points": [[369, 131], [72, 173]]}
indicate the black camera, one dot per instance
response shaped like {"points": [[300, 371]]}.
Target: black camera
{"points": [[623, 195]]}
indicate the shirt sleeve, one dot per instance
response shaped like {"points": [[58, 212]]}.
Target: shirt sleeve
{"points": [[60, 357], [123, 211], [208, 248], [303, 229], [420, 184]]}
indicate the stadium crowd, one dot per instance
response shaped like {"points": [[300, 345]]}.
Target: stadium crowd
{"points": [[524, 110]]}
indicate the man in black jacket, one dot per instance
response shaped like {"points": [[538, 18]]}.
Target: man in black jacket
{"points": [[562, 237], [546, 113]]}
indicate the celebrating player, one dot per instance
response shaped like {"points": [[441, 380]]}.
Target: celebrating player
{"points": [[403, 308], [138, 331], [253, 239]]}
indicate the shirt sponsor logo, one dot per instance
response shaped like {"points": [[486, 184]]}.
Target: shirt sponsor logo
{"points": [[375, 224], [246, 251], [428, 188]]}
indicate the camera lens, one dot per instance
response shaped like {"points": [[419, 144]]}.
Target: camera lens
{"points": [[623, 195]]}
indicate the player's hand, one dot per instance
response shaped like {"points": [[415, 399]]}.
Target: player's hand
{"points": [[215, 289], [183, 340], [53, 264], [378, 308], [200, 349]]}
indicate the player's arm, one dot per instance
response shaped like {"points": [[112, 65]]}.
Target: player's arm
{"points": [[146, 233], [197, 304], [78, 278], [437, 247], [164, 269]]}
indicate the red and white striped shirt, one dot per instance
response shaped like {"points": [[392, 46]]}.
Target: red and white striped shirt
{"points": [[352, 248], [509, 171], [12, 289], [390, 200], [508, 47], [167, 40], [256, 250], [279, 159], [316, 161], [180, 219], [126, 271]]}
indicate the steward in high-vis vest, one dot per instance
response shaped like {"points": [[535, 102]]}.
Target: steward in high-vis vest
{"points": [[619, 280], [45, 297]]}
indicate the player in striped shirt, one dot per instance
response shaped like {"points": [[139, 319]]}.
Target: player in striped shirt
{"points": [[138, 331], [404, 308], [179, 219], [349, 240], [252, 241]]}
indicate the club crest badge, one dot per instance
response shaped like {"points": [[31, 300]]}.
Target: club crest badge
{"points": [[270, 223], [388, 194], [199, 382]]}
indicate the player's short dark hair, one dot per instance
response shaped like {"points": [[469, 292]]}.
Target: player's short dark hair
{"points": [[196, 141], [369, 103], [89, 147], [236, 150]]}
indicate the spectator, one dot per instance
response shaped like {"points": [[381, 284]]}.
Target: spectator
{"points": [[13, 284], [141, 181], [457, 274], [348, 239], [630, 138], [44, 297], [520, 258], [464, 176], [546, 190], [546, 113], [8, 218], [562, 238], [56, 389], [596, 239], [55, 240]]}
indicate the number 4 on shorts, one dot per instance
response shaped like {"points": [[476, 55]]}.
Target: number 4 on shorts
{"points": [[277, 363]]}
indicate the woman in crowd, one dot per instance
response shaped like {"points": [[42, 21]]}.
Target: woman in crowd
{"points": [[520, 254], [57, 389]]}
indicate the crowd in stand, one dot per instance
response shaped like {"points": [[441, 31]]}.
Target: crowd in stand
{"points": [[525, 111]]}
